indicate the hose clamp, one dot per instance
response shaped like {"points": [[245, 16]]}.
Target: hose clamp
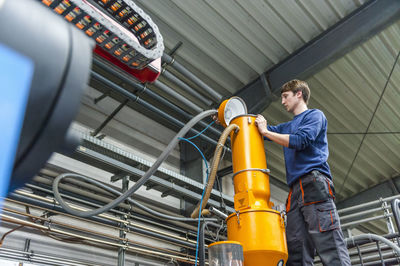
{"points": [[265, 171], [144, 88], [283, 218]]}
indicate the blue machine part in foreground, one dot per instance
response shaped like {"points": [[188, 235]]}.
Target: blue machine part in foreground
{"points": [[16, 73]]}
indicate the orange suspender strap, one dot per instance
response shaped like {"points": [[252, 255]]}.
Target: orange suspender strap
{"points": [[289, 200]]}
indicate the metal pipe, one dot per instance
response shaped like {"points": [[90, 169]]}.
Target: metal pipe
{"points": [[371, 238], [367, 250], [380, 252], [360, 242], [135, 249], [122, 232], [106, 148], [201, 245], [42, 220], [218, 213], [108, 119], [360, 213], [114, 203], [40, 255], [367, 204], [76, 195], [85, 231], [175, 121], [73, 193], [148, 106], [390, 261], [186, 87], [395, 204], [359, 254], [143, 88], [119, 221], [179, 110], [168, 90], [181, 69], [388, 215], [101, 220], [147, 91], [370, 219], [374, 259], [113, 219], [36, 257]]}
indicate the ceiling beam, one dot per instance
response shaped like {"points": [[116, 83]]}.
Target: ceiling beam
{"points": [[354, 29]]}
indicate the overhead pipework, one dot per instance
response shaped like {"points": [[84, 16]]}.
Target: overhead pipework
{"points": [[124, 34]]}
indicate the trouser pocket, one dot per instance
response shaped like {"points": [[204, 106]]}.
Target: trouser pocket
{"points": [[316, 188], [328, 218]]}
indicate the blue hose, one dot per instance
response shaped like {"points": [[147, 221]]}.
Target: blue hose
{"points": [[204, 190], [201, 132]]}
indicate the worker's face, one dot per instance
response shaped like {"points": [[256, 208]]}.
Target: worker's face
{"points": [[291, 100]]}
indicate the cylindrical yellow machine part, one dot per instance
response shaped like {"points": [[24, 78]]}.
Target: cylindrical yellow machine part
{"points": [[262, 235], [247, 145], [259, 229], [251, 179]]}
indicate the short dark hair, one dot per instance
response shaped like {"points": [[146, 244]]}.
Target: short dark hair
{"points": [[296, 85]]}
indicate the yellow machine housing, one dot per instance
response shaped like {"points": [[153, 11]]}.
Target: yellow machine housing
{"points": [[255, 225]]}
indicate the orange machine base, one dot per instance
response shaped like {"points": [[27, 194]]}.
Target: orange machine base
{"points": [[262, 235]]}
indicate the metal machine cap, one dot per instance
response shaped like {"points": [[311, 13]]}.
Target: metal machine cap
{"points": [[231, 108]]}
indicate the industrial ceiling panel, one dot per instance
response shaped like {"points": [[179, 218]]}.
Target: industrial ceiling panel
{"points": [[229, 43], [371, 108], [181, 22], [349, 91]]}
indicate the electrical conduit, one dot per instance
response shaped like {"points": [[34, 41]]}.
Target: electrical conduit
{"points": [[139, 183]]}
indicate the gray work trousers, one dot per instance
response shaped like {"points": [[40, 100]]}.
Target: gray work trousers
{"points": [[313, 223]]}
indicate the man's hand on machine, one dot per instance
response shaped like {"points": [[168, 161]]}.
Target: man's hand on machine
{"points": [[261, 123]]}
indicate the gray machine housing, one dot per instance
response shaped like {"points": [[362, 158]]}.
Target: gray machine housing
{"points": [[62, 59]]}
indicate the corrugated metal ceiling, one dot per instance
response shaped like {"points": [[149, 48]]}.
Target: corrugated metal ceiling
{"points": [[229, 43]]}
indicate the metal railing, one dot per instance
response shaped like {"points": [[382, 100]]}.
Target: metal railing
{"points": [[372, 249]]}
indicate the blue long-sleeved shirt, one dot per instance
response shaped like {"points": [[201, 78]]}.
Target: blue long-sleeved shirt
{"points": [[308, 144]]}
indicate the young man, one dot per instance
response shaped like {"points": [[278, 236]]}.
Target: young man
{"points": [[312, 219]]}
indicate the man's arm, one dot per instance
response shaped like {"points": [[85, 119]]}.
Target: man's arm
{"points": [[281, 139]]}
